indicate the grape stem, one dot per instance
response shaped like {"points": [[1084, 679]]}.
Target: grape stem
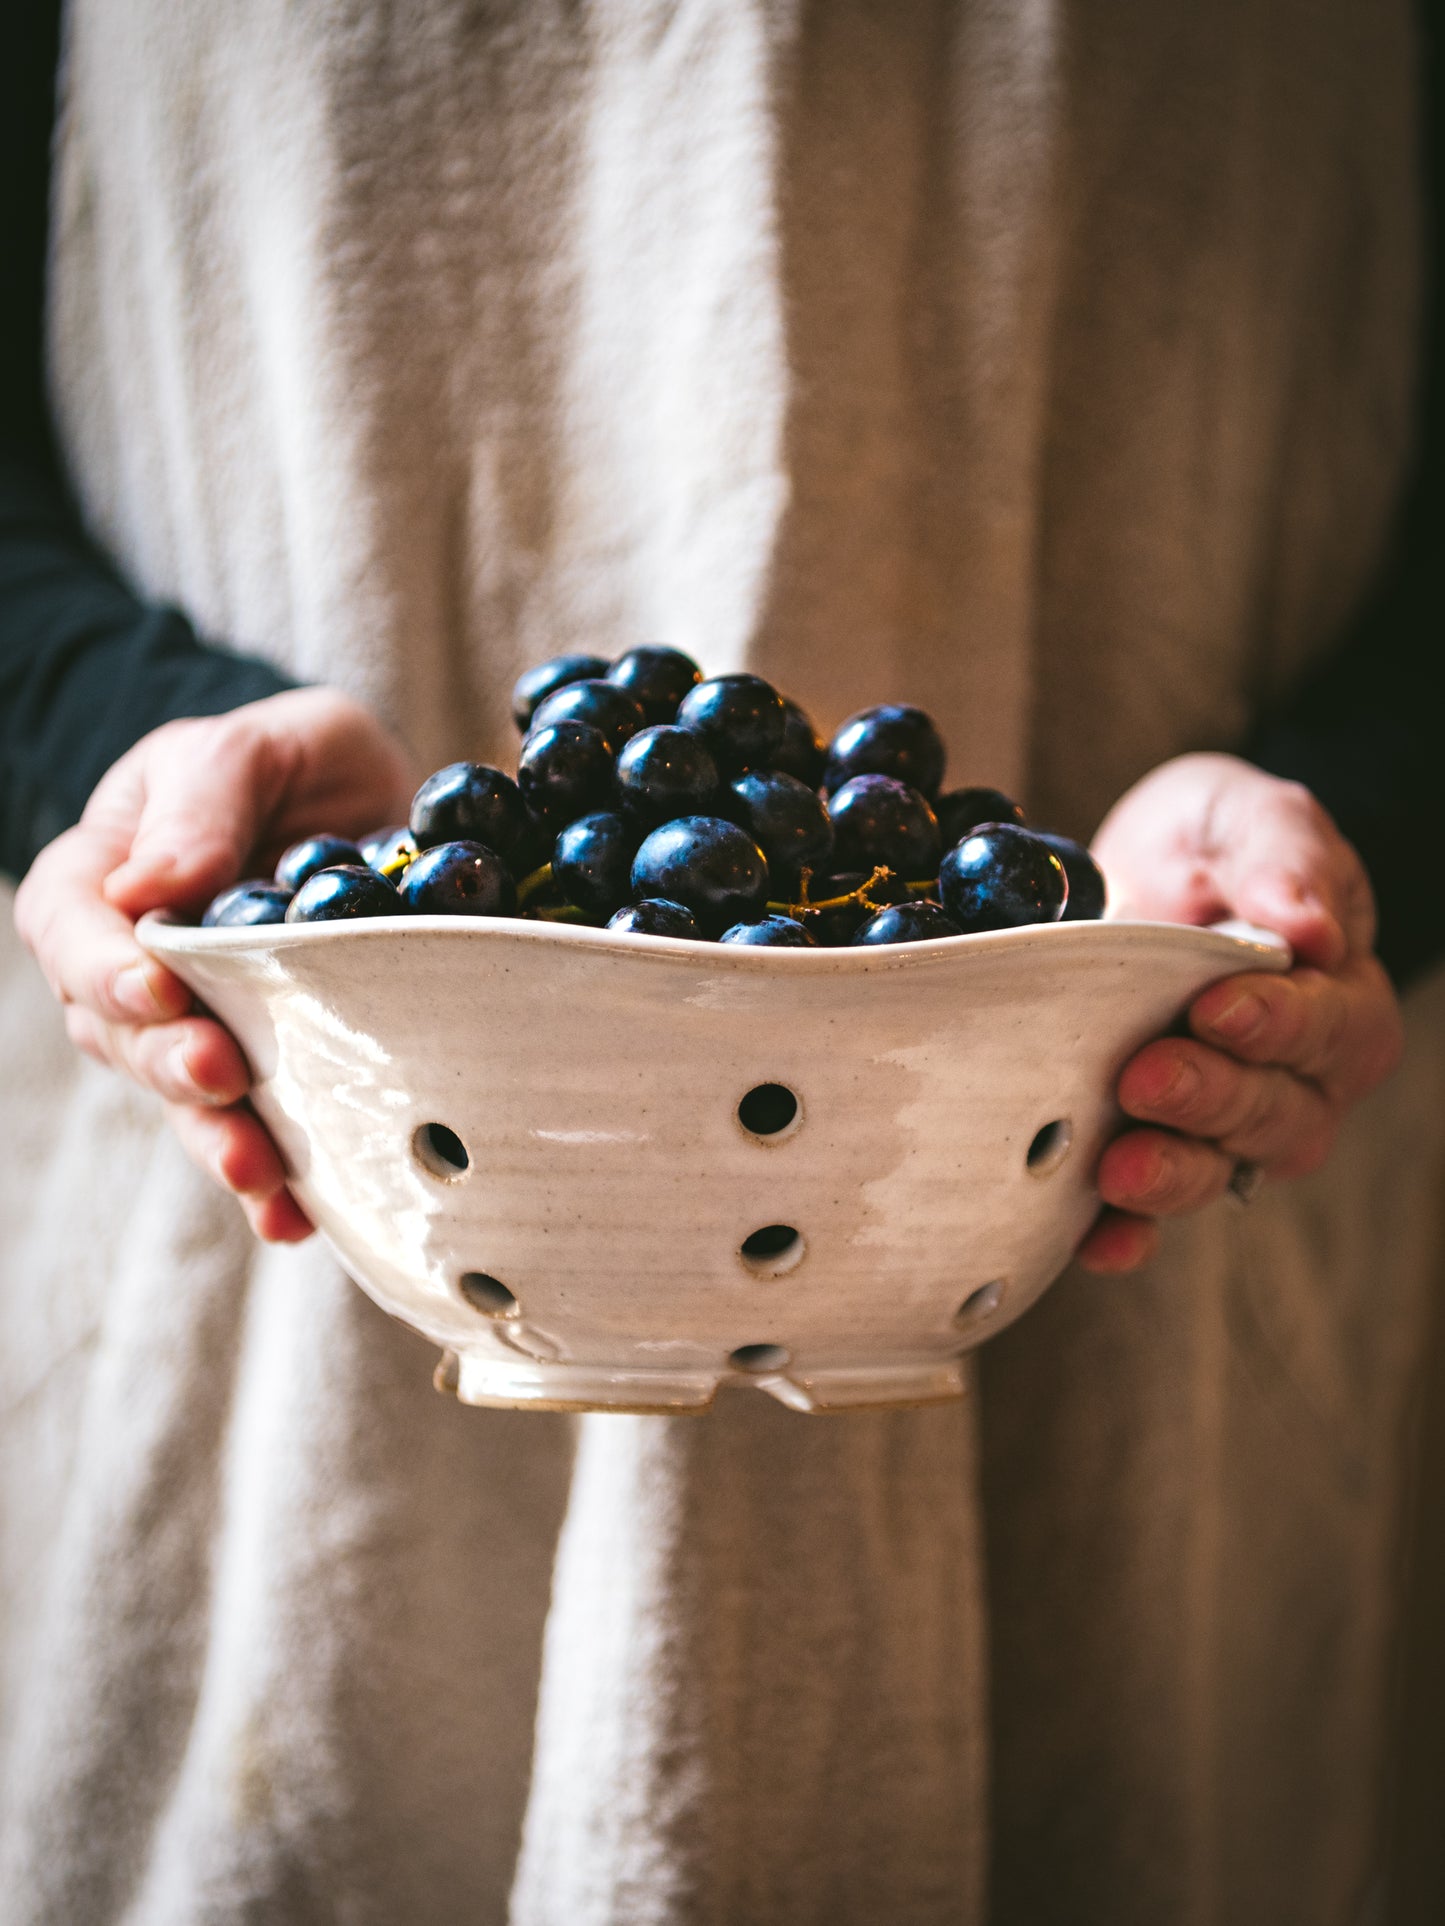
{"points": [[557, 913], [532, 885], [858, 895]]}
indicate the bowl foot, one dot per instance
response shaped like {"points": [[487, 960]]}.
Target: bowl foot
{"points": [[547, 1386], [873, 1387], [544, 1386]]}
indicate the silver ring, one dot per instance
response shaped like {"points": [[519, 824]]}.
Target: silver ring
{"points": [[1246, 1179]]}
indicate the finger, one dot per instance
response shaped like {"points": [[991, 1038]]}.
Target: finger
{"points": [[1118, 1242], [193, 1061], [86, 948], [1344, 1032], [207, 793], [1154, 1173], [232, 1146], [1270, 1116], [1281, 862], [277, 1219], [1277, 898]]}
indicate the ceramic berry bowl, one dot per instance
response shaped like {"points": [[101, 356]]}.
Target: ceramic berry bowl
{"points": [[611, 1172]]}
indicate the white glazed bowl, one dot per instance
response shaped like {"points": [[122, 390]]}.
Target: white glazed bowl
{"points": [[952, 1099]]}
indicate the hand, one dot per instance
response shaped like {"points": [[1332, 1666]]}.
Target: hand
{"points": [[1272, 1063], [191, 808]]}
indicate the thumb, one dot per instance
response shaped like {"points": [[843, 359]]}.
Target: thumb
{"points": [[207, 792], [1287, 868]]}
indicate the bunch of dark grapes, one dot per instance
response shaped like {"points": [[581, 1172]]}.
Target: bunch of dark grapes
{"points": [[651, 800]]}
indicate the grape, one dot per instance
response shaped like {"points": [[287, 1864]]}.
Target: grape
{"points": [[535, 685], [592, 862], [877, 819], [564, 770], [802, 752], [665, 772], [388, 851], [244, 904], [601, 706], [918, 922], [303, 859], [1087, 890], [470, 802], [707, 865], [1001, 877], [771, 932], [655, 916], [337, 895], [533, 847], [458, 879], [786, 819], [895, 740], [740, 717], [656, 678], [961, 811], [656, 800]]}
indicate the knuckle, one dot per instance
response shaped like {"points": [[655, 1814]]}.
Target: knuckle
{"points": [[1369, 1050], [1197, 1172], [1391, 1050], [202, 1139], [1303, 1007], [88, 1035], [105, 993], [1380, 1048], [181, 732], [149, 1058], [1307, 809], [1294, 999], [1217, 1102], [25, 915], [1332, 1025], [1307, 1156], [35, 921], [1263, 1111], [1212, 1176], [1278, 1035]]}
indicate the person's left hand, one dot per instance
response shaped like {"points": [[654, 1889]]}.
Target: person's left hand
{"points": [[1272, 1063]]}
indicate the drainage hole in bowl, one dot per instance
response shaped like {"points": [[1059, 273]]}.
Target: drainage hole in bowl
{"points": [[982, 1302], [440, 1150], [760, 1357], [773, 1249], [1050, 1146], [487, 1294], [768, 1109]]}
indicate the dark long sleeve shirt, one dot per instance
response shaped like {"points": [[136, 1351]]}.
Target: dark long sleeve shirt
{"points": [[87, 667]]}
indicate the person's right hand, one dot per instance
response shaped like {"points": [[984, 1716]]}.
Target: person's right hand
{"points": [[191, 808]]}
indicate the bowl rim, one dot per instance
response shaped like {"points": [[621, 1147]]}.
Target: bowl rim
{"points": [[165, 934]]}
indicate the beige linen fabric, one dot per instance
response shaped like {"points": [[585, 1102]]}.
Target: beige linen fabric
{"points": [[1049, 363]]}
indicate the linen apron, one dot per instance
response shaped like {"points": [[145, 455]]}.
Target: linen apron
{"points": [[1047, 363]]}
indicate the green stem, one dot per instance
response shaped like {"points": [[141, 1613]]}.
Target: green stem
{"points": [[859, 895], [558, 913], [531, 885]]}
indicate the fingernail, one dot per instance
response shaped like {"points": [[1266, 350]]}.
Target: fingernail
{"points": [[1155, 1177], [1173, 1091], [1238, 1021], [132, 991], [1160, 1177]]}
